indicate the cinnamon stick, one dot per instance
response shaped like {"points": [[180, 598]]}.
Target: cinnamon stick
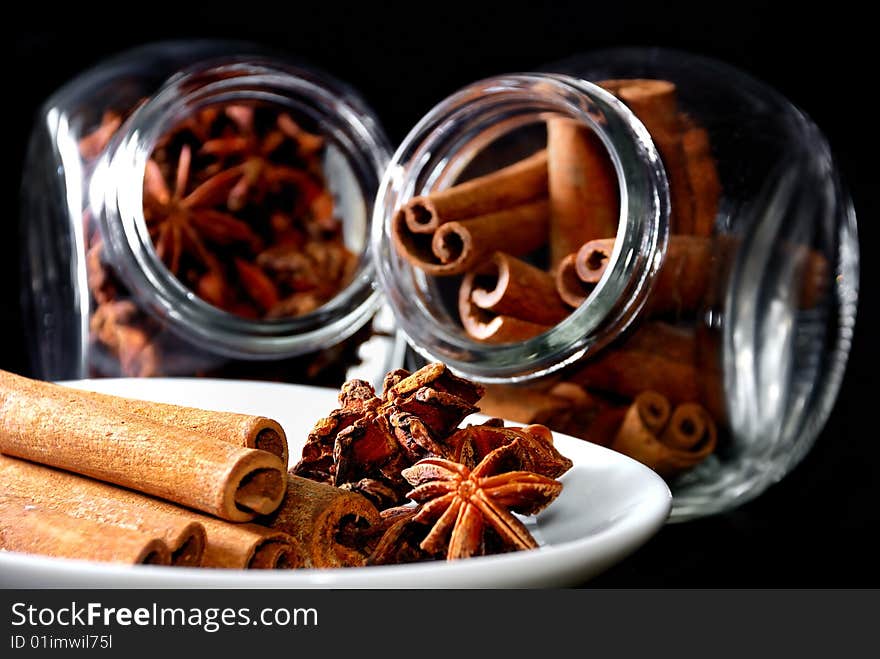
{"points": [[245, 430], [487, 326], [657, 356], [584, 198], [508, 286], [465, 245], [325, 520], [251, 546], [592, 259], [637, 439], [687, 427], [419, 248], [516, 184], [654, 410], [68, 428], [33, 529], [569, 286], [655, 104], [703, 178], [194, 539], [681, 284]]}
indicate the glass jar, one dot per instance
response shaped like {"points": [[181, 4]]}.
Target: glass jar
{"points": [[118, 274], [756, 335]]}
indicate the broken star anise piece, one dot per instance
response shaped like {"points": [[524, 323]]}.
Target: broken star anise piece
{"points": [[535, 444], [464, 504], [437, 376]]}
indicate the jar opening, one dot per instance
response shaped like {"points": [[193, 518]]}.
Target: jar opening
{"points": [[493, 124], [352, 162]]}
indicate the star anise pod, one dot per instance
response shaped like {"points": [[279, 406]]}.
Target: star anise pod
{"points": [[464, 504], [397, 538], [181, 221], [534, 443]]}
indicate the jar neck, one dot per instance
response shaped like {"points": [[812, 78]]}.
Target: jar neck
{"points": [[435, 154], [117, 194]]}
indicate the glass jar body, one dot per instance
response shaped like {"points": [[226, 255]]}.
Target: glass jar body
{"points": [[738, 296], [101, 297]]}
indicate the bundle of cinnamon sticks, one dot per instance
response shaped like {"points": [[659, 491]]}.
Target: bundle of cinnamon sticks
{"points": [[530, 242], [160, 484]]}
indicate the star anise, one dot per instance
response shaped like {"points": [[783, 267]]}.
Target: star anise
{"points": [[466, 505], [181, 222], [534, 443]]}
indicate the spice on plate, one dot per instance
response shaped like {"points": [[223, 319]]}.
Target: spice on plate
{"points": [[33, 529], [75, 430], [366, 443], [193, 539], [328, 522], [470, 507]]}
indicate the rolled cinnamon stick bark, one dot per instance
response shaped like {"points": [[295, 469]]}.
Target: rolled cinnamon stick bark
{"points": [[681, 285], [251, 547], [33, 529], [638, 441], [248, 431], [466, 245], [461, 246], [55, 425], [655, 104], [326, 520], [194, 539], [654, 410], [703, 178], [509, 286], [517, 184], [584, 197], [487, 326], [592, 259], [657, 356], [687, 427], [571, 289]]}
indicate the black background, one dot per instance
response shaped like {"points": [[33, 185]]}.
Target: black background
{"points": [[814, 528]]}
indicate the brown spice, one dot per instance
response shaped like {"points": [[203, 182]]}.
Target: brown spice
{"points": [[463, 504]]}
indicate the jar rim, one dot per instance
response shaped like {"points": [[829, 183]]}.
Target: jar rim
{"points": [[355, 132], [638, 251]]}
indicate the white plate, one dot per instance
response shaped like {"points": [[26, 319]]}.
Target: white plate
{"points": [[609, 506]]}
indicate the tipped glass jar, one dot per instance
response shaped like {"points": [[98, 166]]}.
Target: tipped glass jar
{"points": [[646, 249], [200, 209]]}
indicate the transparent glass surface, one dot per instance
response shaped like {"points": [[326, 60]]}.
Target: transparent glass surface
{"points": [[76, 196], [772, 332]]}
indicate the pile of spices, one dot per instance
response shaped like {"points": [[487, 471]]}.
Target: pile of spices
{"points": [[239, 210], [405, 443]]}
